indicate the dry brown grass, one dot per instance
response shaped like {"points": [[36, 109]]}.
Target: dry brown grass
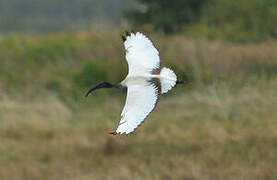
{"points": [[207, 133]]}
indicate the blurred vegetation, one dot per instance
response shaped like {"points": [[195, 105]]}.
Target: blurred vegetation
{"points": [[237, 21], [69, 64], [220, 125], [79, 60], [169, 16], [39, 16]]}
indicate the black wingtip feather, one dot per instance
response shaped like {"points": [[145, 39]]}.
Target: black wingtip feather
{"points": [[127, 33], [123, 38]]}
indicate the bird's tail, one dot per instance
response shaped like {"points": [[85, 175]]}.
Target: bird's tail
{"points": [[168, 79]]}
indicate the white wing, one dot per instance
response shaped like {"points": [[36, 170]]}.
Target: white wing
{"points": [[140, 102], [141, 55]]}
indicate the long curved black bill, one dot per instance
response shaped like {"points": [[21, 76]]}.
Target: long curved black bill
{"points": [[99, 86]]}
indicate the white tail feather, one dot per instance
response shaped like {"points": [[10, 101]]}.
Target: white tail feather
{"points": [[168, 79]]}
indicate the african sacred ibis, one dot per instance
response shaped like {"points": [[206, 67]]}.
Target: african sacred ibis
{"points": [[145, 82]]}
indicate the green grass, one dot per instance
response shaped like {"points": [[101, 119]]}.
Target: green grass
{"points": [[220, 125]]}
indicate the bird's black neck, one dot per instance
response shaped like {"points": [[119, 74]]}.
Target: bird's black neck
{"points": [[103, 85]]}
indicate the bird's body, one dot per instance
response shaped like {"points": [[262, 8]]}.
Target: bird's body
{"points": [[146, 81], [134, 79]]}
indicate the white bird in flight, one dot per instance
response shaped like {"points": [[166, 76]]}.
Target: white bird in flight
{"points": [[146, 81]]}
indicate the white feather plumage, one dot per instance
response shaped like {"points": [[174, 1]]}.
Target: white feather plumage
{"points": [[168, 79], [141, 100], [141, 55], [143, 94], [145, 81]]}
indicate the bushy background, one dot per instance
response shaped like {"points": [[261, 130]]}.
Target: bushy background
{"points": [[246, 20], [220, 125]]}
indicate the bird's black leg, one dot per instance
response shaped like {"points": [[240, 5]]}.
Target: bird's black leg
{"points": [[180, 82], [103, 85], [112, 133]]}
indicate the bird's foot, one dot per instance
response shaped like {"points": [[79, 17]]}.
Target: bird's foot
{"points": [[112, 133]]}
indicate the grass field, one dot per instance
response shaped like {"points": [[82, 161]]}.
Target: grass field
{"points": [[220, 125]]}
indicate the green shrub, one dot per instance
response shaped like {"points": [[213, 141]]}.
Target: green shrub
{"points": [[168, 16], [91, 73], [240, 21], [236, 21]]}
